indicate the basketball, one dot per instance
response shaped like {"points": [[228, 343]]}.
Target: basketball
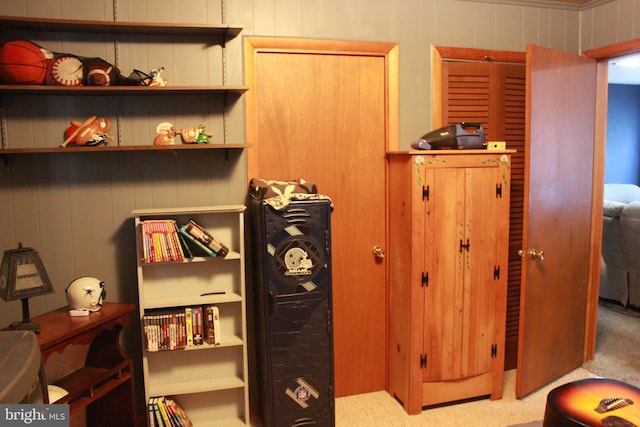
{"points": [[23, 62]]}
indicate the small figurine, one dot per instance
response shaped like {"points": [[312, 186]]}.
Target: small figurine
{"points": [[193, 134], [166, 134], [189, 134], [203, 137], [156, 78], [92, 131]]}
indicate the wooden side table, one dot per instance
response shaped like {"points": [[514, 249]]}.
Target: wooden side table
{"points": [[83, 356]]}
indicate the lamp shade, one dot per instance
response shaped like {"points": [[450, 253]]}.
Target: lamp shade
{"points": [[22, 275]]}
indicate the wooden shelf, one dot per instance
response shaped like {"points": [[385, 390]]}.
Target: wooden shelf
{"points": [[120, 90], [116, 27], [102, 148], [89, 384], [451, 152]]}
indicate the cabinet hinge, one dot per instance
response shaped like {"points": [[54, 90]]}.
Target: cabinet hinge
{"points": [[425, 279], [425, 192], [499, 190], [494, 350], [423, 361], [496, 272]]}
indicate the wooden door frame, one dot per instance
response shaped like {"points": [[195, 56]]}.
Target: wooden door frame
{"points": [[602, 56]]}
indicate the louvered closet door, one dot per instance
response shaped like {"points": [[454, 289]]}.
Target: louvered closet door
{"points": [[494, 94], [459, 315], [466, 95]]}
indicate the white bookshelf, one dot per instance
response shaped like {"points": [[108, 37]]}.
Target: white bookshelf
{"points": [[209, 381]]}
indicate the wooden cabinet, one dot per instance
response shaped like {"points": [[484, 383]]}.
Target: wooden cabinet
{"points": [[83, 356], [448, 247], [23, 108], [209, 381]]}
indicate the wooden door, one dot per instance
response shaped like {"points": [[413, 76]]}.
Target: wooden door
{"points": [[326, 111], [443, 297], [463, 299], [557, 215]]}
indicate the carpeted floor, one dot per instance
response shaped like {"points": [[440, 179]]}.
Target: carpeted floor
{"points": [[618, 344], [380, 409]]}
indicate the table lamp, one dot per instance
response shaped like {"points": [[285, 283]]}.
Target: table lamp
{"points": [[22, 276]]}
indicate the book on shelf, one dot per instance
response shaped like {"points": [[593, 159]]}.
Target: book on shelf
{"points": [[203, 239], [179, 328], [211, 325], [164, 411], [197, 326], [188, 312], [216, 326], [160, 241], [169, 325], [180, 414], [151, 412]]}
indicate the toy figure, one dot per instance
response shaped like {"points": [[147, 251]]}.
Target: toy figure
{"points": [[166, 134], [203, 137], [156, 78], [189, 134], [193, 134], [92, 131]]}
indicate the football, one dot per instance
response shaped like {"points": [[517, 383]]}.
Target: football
{"points": [[98, 72]]}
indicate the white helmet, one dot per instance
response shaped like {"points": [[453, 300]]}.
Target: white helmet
{"points": [[86, 293]]}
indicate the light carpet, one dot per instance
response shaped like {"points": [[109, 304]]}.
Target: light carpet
{"points": [[380, 409], [617, 344]]}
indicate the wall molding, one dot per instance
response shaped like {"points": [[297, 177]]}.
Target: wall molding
{"points": [[573, 5]]}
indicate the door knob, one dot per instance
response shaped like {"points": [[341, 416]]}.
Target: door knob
{"points": [[378, 252], [531, 253]]}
